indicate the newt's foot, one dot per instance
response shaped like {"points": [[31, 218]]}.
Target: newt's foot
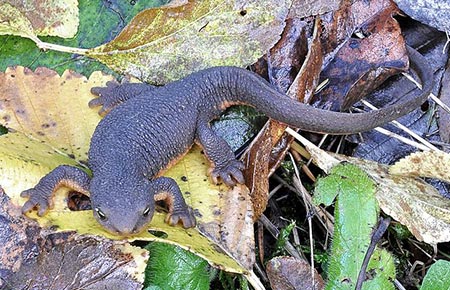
{"points": [[230, 172], [185, 216], [37, 198], [107, 97]]}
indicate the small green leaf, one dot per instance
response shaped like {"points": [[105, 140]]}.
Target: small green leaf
{"points": [[356, 214], [171, 267], [437, 277], [282, 238]]}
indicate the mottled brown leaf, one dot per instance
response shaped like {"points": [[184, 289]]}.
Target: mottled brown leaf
{"points": [[363, 63], [83, 263], [289, 273], [261, 158]]}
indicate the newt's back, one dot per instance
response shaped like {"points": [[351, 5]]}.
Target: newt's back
{"points": [[144, 134]]}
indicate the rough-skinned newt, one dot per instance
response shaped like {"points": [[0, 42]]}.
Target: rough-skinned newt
{"points": [[146, 128]]}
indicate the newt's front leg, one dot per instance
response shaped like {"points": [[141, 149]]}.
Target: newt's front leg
{"points": [[167, 190], [114, 94], [41, 195]]}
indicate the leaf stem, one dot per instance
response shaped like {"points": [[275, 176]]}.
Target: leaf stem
{"points": [[45, 45]]}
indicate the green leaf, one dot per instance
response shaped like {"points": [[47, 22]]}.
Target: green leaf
{"points": [[282, 238], [437, 277], [171, 267], [356, 214]]}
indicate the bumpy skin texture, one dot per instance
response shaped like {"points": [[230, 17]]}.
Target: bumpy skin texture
{"points": [[147, 128]]}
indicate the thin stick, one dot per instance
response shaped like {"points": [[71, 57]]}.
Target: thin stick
{"points": [[407, 130]]}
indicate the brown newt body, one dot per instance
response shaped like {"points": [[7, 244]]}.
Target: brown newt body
{"points": [[147, 128]]}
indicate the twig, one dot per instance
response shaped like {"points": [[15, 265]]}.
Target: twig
{"points": [[440, 103], [254, 281], [428, 145], [376, 236]]}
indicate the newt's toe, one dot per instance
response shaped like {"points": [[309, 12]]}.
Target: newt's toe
{"points": [[230, 173], [186, 218], [37, 199]]}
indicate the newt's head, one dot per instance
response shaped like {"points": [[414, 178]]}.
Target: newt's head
{"points": [[122, 208]]}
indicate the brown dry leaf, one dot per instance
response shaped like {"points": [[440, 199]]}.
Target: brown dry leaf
{"points": [[289, 273], [167, 43], [411, 201], [433, 164], [31, 18], [286, 57], [18, 236], [261, 162], [51, 124], [362, 64]]}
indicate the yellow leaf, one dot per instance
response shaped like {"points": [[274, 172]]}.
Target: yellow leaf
{"points": [[433, 164], [12, 21], [50, 124]]}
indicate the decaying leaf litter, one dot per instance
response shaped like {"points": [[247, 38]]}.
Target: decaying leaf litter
{"points": [[343, 10]]}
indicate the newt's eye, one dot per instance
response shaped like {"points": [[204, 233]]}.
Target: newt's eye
{"points": [[100, 214], [146, 211]]}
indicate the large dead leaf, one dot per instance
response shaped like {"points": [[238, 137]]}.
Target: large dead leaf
{"points": [[168, 43], [31, 18], [51, 124], [409, 200]]}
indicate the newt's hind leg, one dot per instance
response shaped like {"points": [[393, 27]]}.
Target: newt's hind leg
{"points": [[41, 195], [114, 94], [224, 163]]}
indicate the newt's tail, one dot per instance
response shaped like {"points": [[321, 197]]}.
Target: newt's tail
{"points": [[243, 87]]}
